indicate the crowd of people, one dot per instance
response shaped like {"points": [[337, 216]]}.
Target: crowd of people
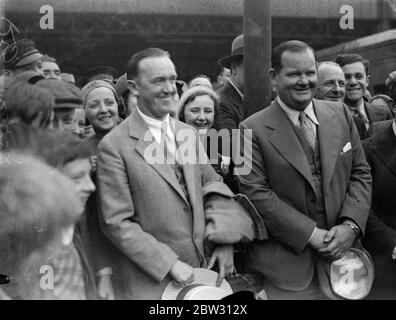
{"points": [[122, 184]]}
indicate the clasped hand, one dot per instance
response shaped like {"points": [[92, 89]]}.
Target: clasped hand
{"points": [[334, 243]]}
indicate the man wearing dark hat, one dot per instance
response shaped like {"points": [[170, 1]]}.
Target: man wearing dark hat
{"points": [[230, 112], [21, 56], [100, 73]]}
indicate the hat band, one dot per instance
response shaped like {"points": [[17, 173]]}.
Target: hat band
{"points": [[237, 52], [185, 290]]}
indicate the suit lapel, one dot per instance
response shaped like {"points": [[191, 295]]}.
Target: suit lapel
{"points": [[384, 147], [286, 142], [329, 134], [235, 98], [139, 130]]}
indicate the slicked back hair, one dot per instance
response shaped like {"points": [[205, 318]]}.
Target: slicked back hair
{"points": [[293, 46], [133, 63], [348, 58]]}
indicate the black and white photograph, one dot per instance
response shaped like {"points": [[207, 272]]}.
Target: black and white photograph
{"points": [[225, 152]]}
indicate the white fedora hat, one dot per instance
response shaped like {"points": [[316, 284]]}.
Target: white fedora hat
{"points": [[202, 288]]}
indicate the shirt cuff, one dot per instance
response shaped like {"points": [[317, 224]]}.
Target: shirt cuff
{"points": [[108, 271], [312, 234]]}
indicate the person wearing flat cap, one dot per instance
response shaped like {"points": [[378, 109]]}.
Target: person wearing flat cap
{"points": [[230, 112], [68, 104], [21, 56]]}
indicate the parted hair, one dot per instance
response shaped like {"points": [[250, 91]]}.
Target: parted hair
{"points": [[293, 46], [133, 63]]}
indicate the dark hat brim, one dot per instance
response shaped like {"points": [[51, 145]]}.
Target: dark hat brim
{"points": [[225, 62]]}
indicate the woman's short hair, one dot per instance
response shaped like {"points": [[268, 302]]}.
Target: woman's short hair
{"points": [[190, 94]]}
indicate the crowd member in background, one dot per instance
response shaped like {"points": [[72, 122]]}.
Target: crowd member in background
{"points": [[68, 77], [380, 239], [100, 102], [200, 80], [331, 87], [50, 68], [382, 101], [197, 108], [356, 71], [129, 99], [74, 278], [231, 112], [21, 56], [331, 82], [99, 73], [29, 104], [390, 84], [67, 101], [101, 110], [223, 76], [37, 203]]}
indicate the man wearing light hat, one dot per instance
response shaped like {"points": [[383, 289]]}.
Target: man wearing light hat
{"points": [[230, 112], [21, 56]]}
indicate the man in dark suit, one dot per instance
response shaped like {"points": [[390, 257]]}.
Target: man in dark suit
{"points": [[309, 179], [356, 70], [230, 112], [380, 240]]}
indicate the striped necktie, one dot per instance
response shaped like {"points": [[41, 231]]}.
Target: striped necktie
{"points": [[307, 129]]}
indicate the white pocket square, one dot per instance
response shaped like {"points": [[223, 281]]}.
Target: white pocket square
{"points": [[347, 147]]}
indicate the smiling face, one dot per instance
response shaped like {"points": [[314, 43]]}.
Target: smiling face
{"points": [[331, 83], [155, 86], [199, 113], [102, 109], [296, 81], [356, 83]]}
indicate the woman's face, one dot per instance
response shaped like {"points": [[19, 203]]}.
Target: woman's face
{"points": [[199, 113], [102, 109]]}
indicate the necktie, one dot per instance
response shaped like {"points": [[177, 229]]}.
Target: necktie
{"points": [[166, 142], [363, 117], [307, 129]]}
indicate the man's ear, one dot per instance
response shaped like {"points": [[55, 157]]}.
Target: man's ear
{"points": [[272, 76], [368, 80], [132, 87]]}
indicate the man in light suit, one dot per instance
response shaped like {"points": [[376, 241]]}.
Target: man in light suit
{"points": [[153, 209], [309, 179]]}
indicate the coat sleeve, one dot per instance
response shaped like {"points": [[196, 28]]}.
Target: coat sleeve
{"points": [[117, 217], [356, 205], [283, 222]]}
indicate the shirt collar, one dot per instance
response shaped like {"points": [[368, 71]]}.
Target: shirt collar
{"points": [[155, 125], [294, 114], [151, 122], [361, 107], [237, 90]]}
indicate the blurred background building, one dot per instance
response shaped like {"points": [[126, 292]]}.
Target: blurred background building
{"points": [[197, 33]]}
